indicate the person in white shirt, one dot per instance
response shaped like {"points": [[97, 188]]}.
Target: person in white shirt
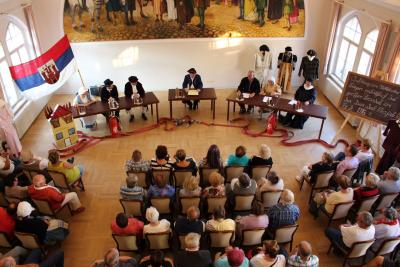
{"points": [[348, 234], [386, 226], [365, 151], [218, 221], [345, 194], [273, 182], [155, 226], [269, 256]]}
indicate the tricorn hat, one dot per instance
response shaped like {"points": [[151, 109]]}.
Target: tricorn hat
{"points": [[311, 52], [264, 47], [133, 79], [288, 49], [192, 70], [108, 82]]}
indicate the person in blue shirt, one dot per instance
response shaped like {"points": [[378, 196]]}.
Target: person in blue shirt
{"points": [[239, 159], [161, 188]]}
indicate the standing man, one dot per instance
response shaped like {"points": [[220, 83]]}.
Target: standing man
{"points": [[192, 80], [263, 63], [109, 90], [249, 85], [201, 6], [134, 88]]}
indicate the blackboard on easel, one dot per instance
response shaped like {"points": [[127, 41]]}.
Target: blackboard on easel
{"points": [[370, 98]]}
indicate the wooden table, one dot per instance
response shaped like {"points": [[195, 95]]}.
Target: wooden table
{"points": [[205, 94], [100, 107], [281, 104]]}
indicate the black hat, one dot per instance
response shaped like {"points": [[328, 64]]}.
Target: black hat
{"points": [[264, 48], [108, 82], [192, 70], [133, 79], [311, 52], [288, 48]]}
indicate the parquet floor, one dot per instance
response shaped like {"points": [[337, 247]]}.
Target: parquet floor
{"points": [[90, 231]]}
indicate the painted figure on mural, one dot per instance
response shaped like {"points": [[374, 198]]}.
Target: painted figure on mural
{"points": [[288, 7], [201, 6], [250, 10], [286, 64], [128, 6], [275, 10], [185, 11], [113, 7], [7, 128], [260, 12], [157, 9], [171, 10]]}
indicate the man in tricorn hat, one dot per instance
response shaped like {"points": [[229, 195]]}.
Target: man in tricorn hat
{"points": [[134, 88], [192, 80], [109, 90]]}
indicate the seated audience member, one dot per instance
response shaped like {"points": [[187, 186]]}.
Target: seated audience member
{"points": [[218, 221], [113, 259], [390, 182], [155, 226], [9, 169], [184, 163], [242, 185], [380, 261], [257, 219], [190, 223], [161, 188], [161, 162], [284, 213], [302, 256], [264, 158], [18, 253], [249, 85], [7, 222], [364, 151], [233, 257], [136, 164], [387, 226], [217, 187], [13, 189], [369, 190], [272, 183], [269, 256], [345, 194], [348, 234], [349, 162], [239, 159], [312, 170], [71, 172], [35, 258], [156, 259], [123, 225], [271, 88], [48, 232], [42, 191], [192, 255], [29, 162], [190, 187], [213, 159], [131, 191]]}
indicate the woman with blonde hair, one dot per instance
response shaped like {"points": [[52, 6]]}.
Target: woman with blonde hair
{"points": [[72, 172], [269, 256], [264, 157], [190, 187], [217, 187], [271, 88]]}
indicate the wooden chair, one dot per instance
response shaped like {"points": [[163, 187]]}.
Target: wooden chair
{"points": [[132, 207], [60, 181], [220, 239], [162, 204], [165, 173], [321, 183], [270, 198], [64, 213], [232, 172], [158, 240], [127, 243], [387, 246], [243, 203], [357, 250], [5, 241], [3, 200], [215, 202], [186, 202], [181, 241], [180, 176], [339, 212], [143, 180], [385, 201], [349, 173], [204, 174], [14, 199], [28, 241], [284, 234], [260, 171], [252, 237], [365, 205]]}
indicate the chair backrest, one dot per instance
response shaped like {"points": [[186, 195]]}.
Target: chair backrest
{"points": [[359, 249], [388, 246], [232, 172], [28, 241], [322, 180], [180, 176], [350, 172], [132, 207], [166, 174], [126, 242], [142, 178], [364, 168], [181, 241], [4, 242], [204, 174], [243, 202], [162, 204], [214, 202], [158, 240], [13, 199], [3, 200], [44, 207], [341, 210], [386, 200], [221, 239], [258, 172], [187, 202], [367, 203], [59, 180], [285, 234], [252, 237], [270, 197]]}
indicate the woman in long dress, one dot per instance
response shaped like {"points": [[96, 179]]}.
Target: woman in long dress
{"points": [[7, 127], [275, 8], [250, 10]]}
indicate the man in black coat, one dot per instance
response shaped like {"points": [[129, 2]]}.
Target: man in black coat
{"points": [[192, 80], [249, 85], [134, 88], [109, 90]]}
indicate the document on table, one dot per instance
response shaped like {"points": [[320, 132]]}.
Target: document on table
{"points": [[292, 102], [266, 99], [246, 95]]}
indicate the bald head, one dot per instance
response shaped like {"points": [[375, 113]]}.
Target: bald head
{"points": [[8, 262], [305, 250], [39, 180], [111, 259], [193, 213]]}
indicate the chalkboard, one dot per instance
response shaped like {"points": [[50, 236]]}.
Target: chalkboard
{"points": [[370, 98]]}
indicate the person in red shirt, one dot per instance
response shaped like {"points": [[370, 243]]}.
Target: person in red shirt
{"points": [[127, 226], [7, 222], [369, 190], [41, 191]]}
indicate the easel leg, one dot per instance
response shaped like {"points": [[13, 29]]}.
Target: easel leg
{"points": [[341, 127]]}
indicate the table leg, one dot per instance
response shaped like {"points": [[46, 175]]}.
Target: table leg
{"points": [[320, 130], [158, 120], [227, 112], [170, 109], [213, 108], [151, 108], [234, 107], [211, 104]]}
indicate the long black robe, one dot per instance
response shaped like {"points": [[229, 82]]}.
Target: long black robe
{"points": [[275, 8]]}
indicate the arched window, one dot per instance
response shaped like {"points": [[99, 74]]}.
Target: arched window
{"points": [[9, 88], [16, 45], [367, 52]]}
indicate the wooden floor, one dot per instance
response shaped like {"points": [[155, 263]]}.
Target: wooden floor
{"points": [[90, 231]]}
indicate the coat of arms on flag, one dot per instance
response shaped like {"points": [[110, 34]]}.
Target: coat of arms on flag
{"points": [[49, 72]]}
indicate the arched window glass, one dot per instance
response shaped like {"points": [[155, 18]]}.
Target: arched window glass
{"points": [[367, 53], [7, 83], [16, 45]]}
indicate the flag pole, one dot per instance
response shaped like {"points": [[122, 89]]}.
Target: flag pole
{"points": [[80, 75]]}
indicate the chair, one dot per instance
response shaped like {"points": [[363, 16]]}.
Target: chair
{"points": [[260, 171], [349, 173], [180, 176], [204, 174], [220, 239], [270, 198], [4, 241], [364, 168], [165, 173], [385, 201], [215, 202], [126, 243], [186, 202], [252, 237], [162, 204], [243, 202], [339, 212], [158, 240], [284, 234], [232, 172], [132, 207], [387, 246], [61, 182], [13, 199], [142, 178], [181, 241], [357, 250], [365, 205], [28, 241], [322, 182], [64, 213], [3, 200]]}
